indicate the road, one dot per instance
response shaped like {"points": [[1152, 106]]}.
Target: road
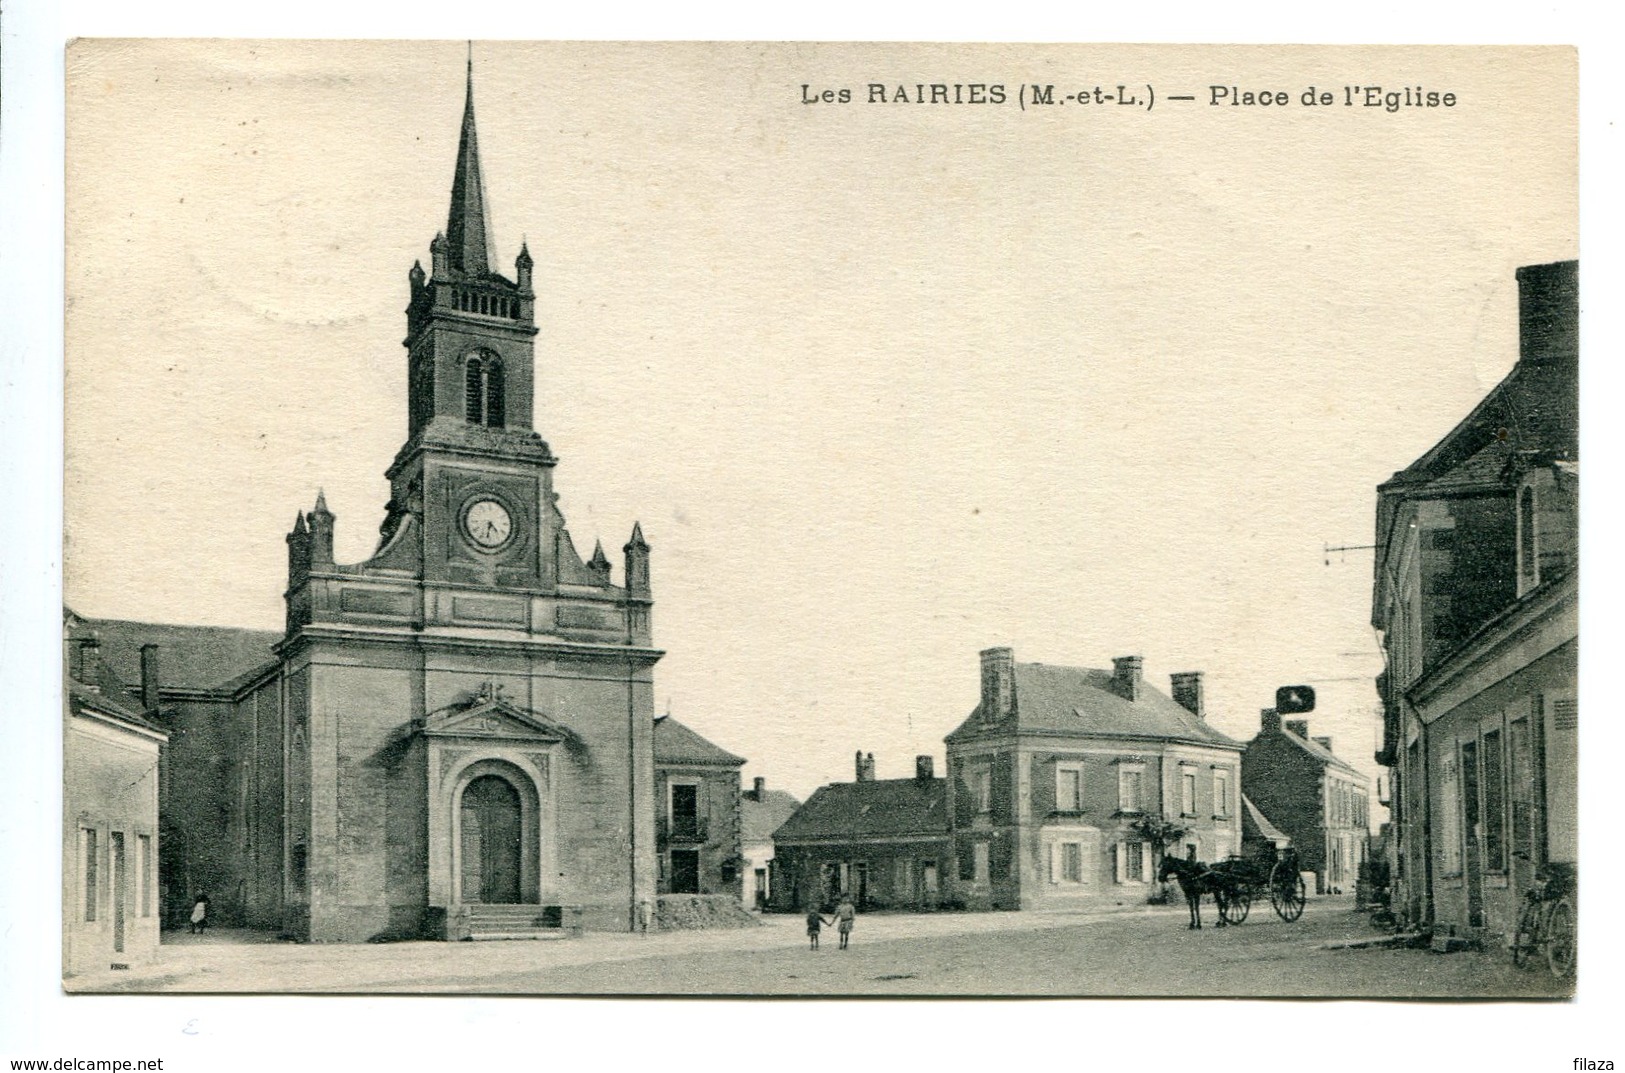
{"points": [[1128, 952]]}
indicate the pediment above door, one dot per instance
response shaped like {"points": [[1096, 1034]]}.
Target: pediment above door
{"points": [[488, 715]]}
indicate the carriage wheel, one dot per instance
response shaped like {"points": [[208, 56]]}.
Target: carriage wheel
{"points": [[1560, 939], [1235, 906], [1527, 937], [1287, 893]]}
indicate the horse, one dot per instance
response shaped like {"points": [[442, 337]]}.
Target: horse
{"points": [[1196, 879]]}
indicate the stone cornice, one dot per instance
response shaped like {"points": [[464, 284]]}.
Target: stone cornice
{"points": [[1530, 629], [547, 646]]}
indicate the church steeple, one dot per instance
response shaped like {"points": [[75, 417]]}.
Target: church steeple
{"points": [[468, 227], [469, 327]]}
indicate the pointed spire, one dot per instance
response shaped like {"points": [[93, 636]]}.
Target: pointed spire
{"points": [[321, 503], [299, 524], [599, 560], [637, 562], [468, 229]]}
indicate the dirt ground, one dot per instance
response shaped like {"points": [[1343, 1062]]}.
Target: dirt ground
{"points": [[1118, 950]]}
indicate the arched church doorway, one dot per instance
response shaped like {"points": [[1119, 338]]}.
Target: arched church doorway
{"points": [[492, 841]]}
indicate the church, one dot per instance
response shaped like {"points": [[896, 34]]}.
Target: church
{"points": [[456, 736]]}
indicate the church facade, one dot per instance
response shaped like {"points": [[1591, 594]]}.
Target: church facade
{"points": [[463, 721]]}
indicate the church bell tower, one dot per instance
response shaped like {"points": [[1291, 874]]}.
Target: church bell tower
{"points": [[469, 712], [471, 503], [470, 330]]}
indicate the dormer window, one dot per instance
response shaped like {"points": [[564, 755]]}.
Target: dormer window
{"points": [[483, 390]]}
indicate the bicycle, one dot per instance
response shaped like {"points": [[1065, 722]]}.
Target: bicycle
{"points": [[1547, 922]]}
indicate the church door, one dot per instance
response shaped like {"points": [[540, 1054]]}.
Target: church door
{"points": [[491, 841]]}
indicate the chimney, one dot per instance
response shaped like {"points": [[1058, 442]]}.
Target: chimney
{"points": [[1300, 727], [1127, 676], [866, 767], [924, 770], [760, 790], [1549, 313], [1269, 721], [149, 677], [1187, 688], [998, 683], [1324, 743]]}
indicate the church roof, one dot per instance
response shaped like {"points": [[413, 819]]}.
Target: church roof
{"points": [[1080, 702], [875, 809], [189, 657], [759, 819], [468, 226], [677, 744]]}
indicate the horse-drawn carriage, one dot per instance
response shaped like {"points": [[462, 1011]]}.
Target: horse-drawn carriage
{"points": [[1236, 881], [1255, 876]]}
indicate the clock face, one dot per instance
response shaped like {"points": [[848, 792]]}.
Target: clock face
{"points": [[488, 523]]}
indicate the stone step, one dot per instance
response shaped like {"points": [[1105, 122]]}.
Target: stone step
{"points": [[529, 933]]}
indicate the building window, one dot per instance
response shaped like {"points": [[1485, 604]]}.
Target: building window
{"points": [[980, 862], [1187, 792], [1526, 533], [143, 875], [683, 811], [981, 783], [902, 878], [1066, 862], [1128, 788], [92, 859], [1221, 793], [483, 391], [1472, 803], [1069, 788], [1134, 862]]}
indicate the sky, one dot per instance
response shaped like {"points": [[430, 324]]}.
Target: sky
{"points": [[885, 384]]}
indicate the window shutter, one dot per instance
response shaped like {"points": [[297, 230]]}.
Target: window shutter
{"points": [[1045, 795], [1000, 779], [1145, 861], [1120, 872], [1054, 870]]}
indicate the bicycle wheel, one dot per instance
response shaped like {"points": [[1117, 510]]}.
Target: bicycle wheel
{"points": [[1560, 939], [1236, 905], [1527, 937], [1287, 893]]}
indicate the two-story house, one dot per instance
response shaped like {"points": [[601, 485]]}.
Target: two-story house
{"points": [[110, 755], [1067, 782], [697, 834], [1318, 800], [1476, 595]]}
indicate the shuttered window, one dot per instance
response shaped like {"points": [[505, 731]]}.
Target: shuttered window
{"points": [[92, 864]]}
